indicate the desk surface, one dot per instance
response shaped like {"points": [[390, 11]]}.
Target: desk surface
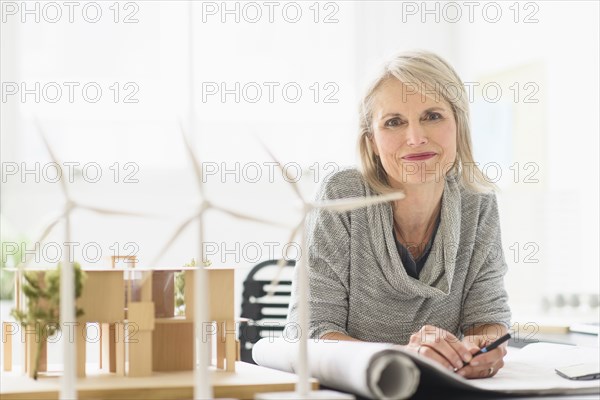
{"points": [[248, 380]]}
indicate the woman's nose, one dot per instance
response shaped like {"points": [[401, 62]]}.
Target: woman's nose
{"points": [[415, 135]]}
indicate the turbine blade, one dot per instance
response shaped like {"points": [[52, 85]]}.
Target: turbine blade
{"points": [[43, 236], [342, 205], [246, 217], [175, 235], [53, 157], [106, 211], [194, 160], [284, 172]]}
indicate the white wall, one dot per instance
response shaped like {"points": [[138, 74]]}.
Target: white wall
{"points": [[559, 214]]}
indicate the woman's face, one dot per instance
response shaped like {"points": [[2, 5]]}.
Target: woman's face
{"points": [[414, 135]]}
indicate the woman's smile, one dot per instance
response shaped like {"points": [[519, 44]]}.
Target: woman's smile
{"points": [[419, 156]]}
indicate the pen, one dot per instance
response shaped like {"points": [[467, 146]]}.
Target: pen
{"points": [[491, 346]]}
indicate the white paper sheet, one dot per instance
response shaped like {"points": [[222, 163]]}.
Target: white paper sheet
{"points": [[531, 370]]}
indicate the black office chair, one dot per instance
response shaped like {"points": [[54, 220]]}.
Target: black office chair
{"points": [[266, 315]]}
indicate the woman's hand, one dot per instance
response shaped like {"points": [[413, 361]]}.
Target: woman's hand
{"points": [[484, 365], [441, 346]]}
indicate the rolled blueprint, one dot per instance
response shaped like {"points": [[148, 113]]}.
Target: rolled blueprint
{"points": [[373, 370]]}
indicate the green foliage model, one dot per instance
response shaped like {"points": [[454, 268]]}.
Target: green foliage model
{"points": [[180, 286], [42, 290]]}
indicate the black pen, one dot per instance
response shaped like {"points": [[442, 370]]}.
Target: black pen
{"points": [[491, 346]]}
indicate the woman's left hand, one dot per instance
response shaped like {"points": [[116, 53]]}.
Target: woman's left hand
{"points": [[484, 365]]}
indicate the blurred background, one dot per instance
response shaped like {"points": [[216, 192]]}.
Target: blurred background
{"points": [[109, 81]]}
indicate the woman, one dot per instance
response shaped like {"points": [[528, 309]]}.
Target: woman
{"points": [[425, 272]]}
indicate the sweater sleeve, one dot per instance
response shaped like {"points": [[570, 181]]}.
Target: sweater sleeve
{"points": [[328, 241], [486, 300]]}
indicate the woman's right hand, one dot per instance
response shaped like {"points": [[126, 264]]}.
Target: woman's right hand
{"points": [[439, 345]]}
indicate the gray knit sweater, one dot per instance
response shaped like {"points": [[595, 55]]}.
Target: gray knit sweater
{"points": [[359, 287]]}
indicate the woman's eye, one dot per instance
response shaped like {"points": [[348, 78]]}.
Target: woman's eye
{"points": [[434, 116], [393, 122]]}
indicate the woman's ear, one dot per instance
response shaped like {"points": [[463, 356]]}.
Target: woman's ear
{"points": [[371, 144]]}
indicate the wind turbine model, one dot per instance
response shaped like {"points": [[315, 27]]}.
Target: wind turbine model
{"points": [[339, 205], [202, 387], [67, 279]]}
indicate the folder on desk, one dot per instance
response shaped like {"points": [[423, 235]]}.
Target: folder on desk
{"points": [[378, 370]]}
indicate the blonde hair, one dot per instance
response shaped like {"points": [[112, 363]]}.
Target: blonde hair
{"points": [[422, 70]]}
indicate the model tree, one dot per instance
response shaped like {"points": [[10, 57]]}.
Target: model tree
{"points": [[42, 290]]}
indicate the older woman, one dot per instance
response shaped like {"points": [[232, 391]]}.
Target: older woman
{"points": [[425, 272]]}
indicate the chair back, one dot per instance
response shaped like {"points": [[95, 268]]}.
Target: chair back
{"points": [[266, 314]]}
